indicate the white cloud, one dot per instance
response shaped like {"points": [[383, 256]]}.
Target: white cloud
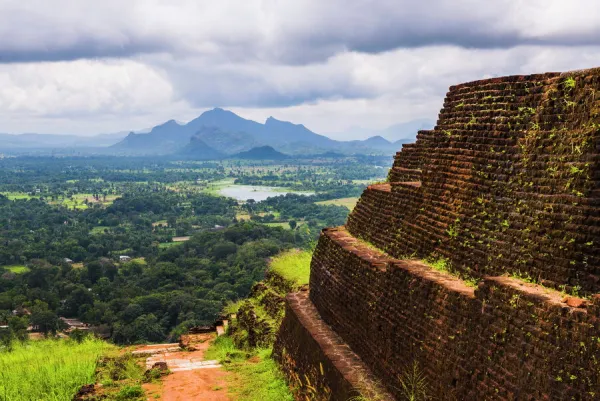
{"points": [[87, 66], [81, 91]]}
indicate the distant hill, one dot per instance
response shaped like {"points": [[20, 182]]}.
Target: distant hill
{"points": [[197, 149], [49, 141], [166, 138], [261, 153]]}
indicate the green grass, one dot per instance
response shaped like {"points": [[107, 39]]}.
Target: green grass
{"points": [[98, 230], [17, 269], [17, 195], [215, 186], [293, 265], [169, 244], [255, 376], [284, 224], [349, 203], [77, 202], [52, 370]]}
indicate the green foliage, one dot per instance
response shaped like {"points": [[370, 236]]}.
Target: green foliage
{"points": [[299, 207], [293, 265], [120, 206], [17, 269], [48, 369], [130, 393], [443, 265], [413, 383], [439, 264], [255, 376], [569, 83]]}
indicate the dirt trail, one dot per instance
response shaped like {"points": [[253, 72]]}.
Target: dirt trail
{"points": [[192, 377]]}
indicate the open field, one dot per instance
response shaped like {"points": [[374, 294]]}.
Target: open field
{"points": [[17, 195], [346, 202], [169, 244], [284, 224], [293, 265], [51, 370], [215, 186], [98, 230], [17, 269], [77, 201], [180, 239]]}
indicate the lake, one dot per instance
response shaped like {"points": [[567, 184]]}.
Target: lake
{"points": [[256, 192]]}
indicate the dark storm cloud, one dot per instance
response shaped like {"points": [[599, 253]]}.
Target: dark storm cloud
{"points": [[303, 31], [83, 48]]}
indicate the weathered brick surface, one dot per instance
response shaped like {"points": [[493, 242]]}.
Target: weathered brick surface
{"points": [[506, 185], [318, 364], [504, 340], [509, 182]]}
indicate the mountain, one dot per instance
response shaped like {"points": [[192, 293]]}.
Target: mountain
{"points": [[227, 142], [163, 139], [286, 133], [261, 153], [197, 149]]}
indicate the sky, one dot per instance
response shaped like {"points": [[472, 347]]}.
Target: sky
{"points": [[87, 67]]}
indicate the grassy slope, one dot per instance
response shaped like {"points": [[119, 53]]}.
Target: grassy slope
{"points": [[293, 265], [347, 202], [48, 369], [255, 376]]}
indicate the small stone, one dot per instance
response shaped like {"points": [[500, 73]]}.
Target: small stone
{"points": [[574, 302]]}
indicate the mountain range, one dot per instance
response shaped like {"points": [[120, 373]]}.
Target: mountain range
{"points": [[227, 133], [216, 133]]}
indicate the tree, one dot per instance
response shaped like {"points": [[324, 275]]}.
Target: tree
{"points": [[293, 224], [46, 321], [18, 327]]}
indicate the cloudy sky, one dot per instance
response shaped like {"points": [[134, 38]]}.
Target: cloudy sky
{"points": [[85, 67]]}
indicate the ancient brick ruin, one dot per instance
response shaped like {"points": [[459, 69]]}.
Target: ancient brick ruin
{"points": [[477, 264]]}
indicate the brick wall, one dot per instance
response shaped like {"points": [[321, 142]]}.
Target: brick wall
{"points": [[509, 182], [317, 362], [505, 339], [505, 189]]}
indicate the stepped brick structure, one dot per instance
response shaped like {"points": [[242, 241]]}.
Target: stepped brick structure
{"points": [[476, 266]]}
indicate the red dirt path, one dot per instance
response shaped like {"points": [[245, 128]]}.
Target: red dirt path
{"points": [[201, 384]]}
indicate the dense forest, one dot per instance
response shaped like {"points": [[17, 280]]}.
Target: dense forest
{"points": [[153, 298], [142, 249]]}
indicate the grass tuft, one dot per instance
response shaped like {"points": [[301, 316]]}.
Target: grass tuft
{"points": [[293, 265]]}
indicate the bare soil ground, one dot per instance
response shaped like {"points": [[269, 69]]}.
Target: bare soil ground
{"points": [[192, 377]]}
